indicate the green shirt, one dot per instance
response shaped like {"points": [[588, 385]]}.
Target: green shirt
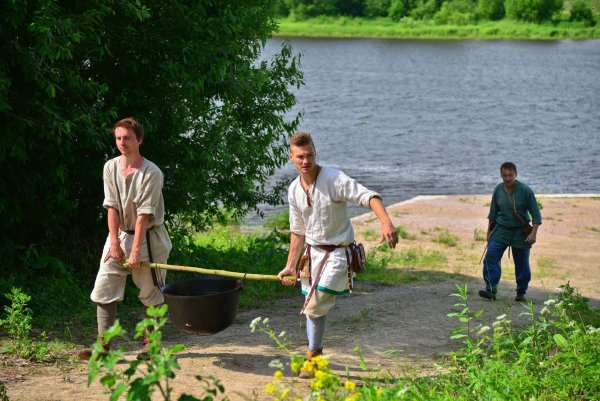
{"points": [[507, 229]]}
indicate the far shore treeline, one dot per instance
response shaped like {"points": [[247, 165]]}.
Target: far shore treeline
{"points": [[520, 19]]}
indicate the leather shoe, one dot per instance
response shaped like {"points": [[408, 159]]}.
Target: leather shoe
{"points": [[487, 295], [86, 354], [309, 373], [520, 297]]}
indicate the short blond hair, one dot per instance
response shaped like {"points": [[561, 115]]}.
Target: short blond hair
{"points": [[302, 138]]}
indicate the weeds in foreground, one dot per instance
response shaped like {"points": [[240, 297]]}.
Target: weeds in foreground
{"points": [[555, 357], [18, 326], [144, 377], [3, 395]]}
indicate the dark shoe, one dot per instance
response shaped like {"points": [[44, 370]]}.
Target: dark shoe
{"points": [[309, 373], [487, 295], [86, 354], [520, 297]]}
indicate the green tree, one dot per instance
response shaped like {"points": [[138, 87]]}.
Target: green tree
{"points": [[376, 8], [532, 10], [302, 9], [581, 12], [399, 9], [425, 9], [457, 12], [214, 112], [492, 9]]}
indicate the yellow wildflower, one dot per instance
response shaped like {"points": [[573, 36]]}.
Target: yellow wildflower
{"points": [[285, 394], [278, 374], [272, 389], [350, 386], [380, 393]]}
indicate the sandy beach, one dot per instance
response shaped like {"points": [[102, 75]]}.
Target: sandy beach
{"points": [[567, 248]]}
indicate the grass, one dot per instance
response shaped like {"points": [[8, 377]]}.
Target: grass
{"points": [[444, 237], [344, 27]]}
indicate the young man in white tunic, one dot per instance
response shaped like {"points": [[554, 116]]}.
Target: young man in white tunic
{"points": [[134, 201], [318, 216]]}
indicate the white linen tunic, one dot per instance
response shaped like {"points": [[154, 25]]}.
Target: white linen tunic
{"points": [[327, 223], [138, 193]]}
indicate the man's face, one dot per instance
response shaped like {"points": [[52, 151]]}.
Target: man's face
{"points": [[304, 158], [508, 176], [127, 142]]}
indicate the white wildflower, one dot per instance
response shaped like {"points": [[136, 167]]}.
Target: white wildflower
{"points": [[544, 310], [483, 330], [501, 317], [550, 302], [255, 323], [282, 334], [266, 321]]}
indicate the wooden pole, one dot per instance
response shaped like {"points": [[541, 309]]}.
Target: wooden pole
{"points": [[213, 272]]}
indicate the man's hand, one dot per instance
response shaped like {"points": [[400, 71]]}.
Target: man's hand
{"points": [[115, 252], [134, 259], [389, 234], [531, 238], [288, 271]]}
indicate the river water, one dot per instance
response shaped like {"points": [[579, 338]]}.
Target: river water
{"points": [[410, 118]]}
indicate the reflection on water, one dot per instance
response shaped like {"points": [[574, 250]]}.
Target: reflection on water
{"points": [[439, 117]]}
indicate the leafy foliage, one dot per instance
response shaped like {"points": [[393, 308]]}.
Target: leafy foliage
{"points": [[532, 10], [214, 113], [18, 326], [581, 11], [492, 9], [144, 377], [554, 357]]}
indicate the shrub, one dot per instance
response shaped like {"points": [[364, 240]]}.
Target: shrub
{"points": [[399, 9], [532, 10], [376, 8], [18, 326], [492, 9], [456, 12], [581, 12]]}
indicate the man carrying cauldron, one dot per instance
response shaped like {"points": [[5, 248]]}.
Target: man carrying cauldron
{"points": [[133, 198], [318, 216]]}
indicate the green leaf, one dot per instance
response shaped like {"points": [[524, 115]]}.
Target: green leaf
{"points": [[561, 341]]}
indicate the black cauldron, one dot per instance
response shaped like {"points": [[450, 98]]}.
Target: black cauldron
{"points": [[203, 305]]}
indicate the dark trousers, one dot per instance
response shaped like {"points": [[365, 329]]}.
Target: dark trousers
{"points": [[492, 266]]}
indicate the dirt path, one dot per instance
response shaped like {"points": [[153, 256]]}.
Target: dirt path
{"points": [[399, 328]]}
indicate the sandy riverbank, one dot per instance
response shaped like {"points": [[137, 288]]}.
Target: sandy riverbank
{"points": [[399, 328], [568, 246]]}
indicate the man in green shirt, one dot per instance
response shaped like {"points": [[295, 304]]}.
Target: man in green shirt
{"points": [[513, 207]]}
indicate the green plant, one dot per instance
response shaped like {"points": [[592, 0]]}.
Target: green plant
{"points": [[444, 237], [492, 9], [402, 233], [370, 235], [18, 325], [581, 11], [553, 357], [143, 378], [465, 316], [3, 394]]}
